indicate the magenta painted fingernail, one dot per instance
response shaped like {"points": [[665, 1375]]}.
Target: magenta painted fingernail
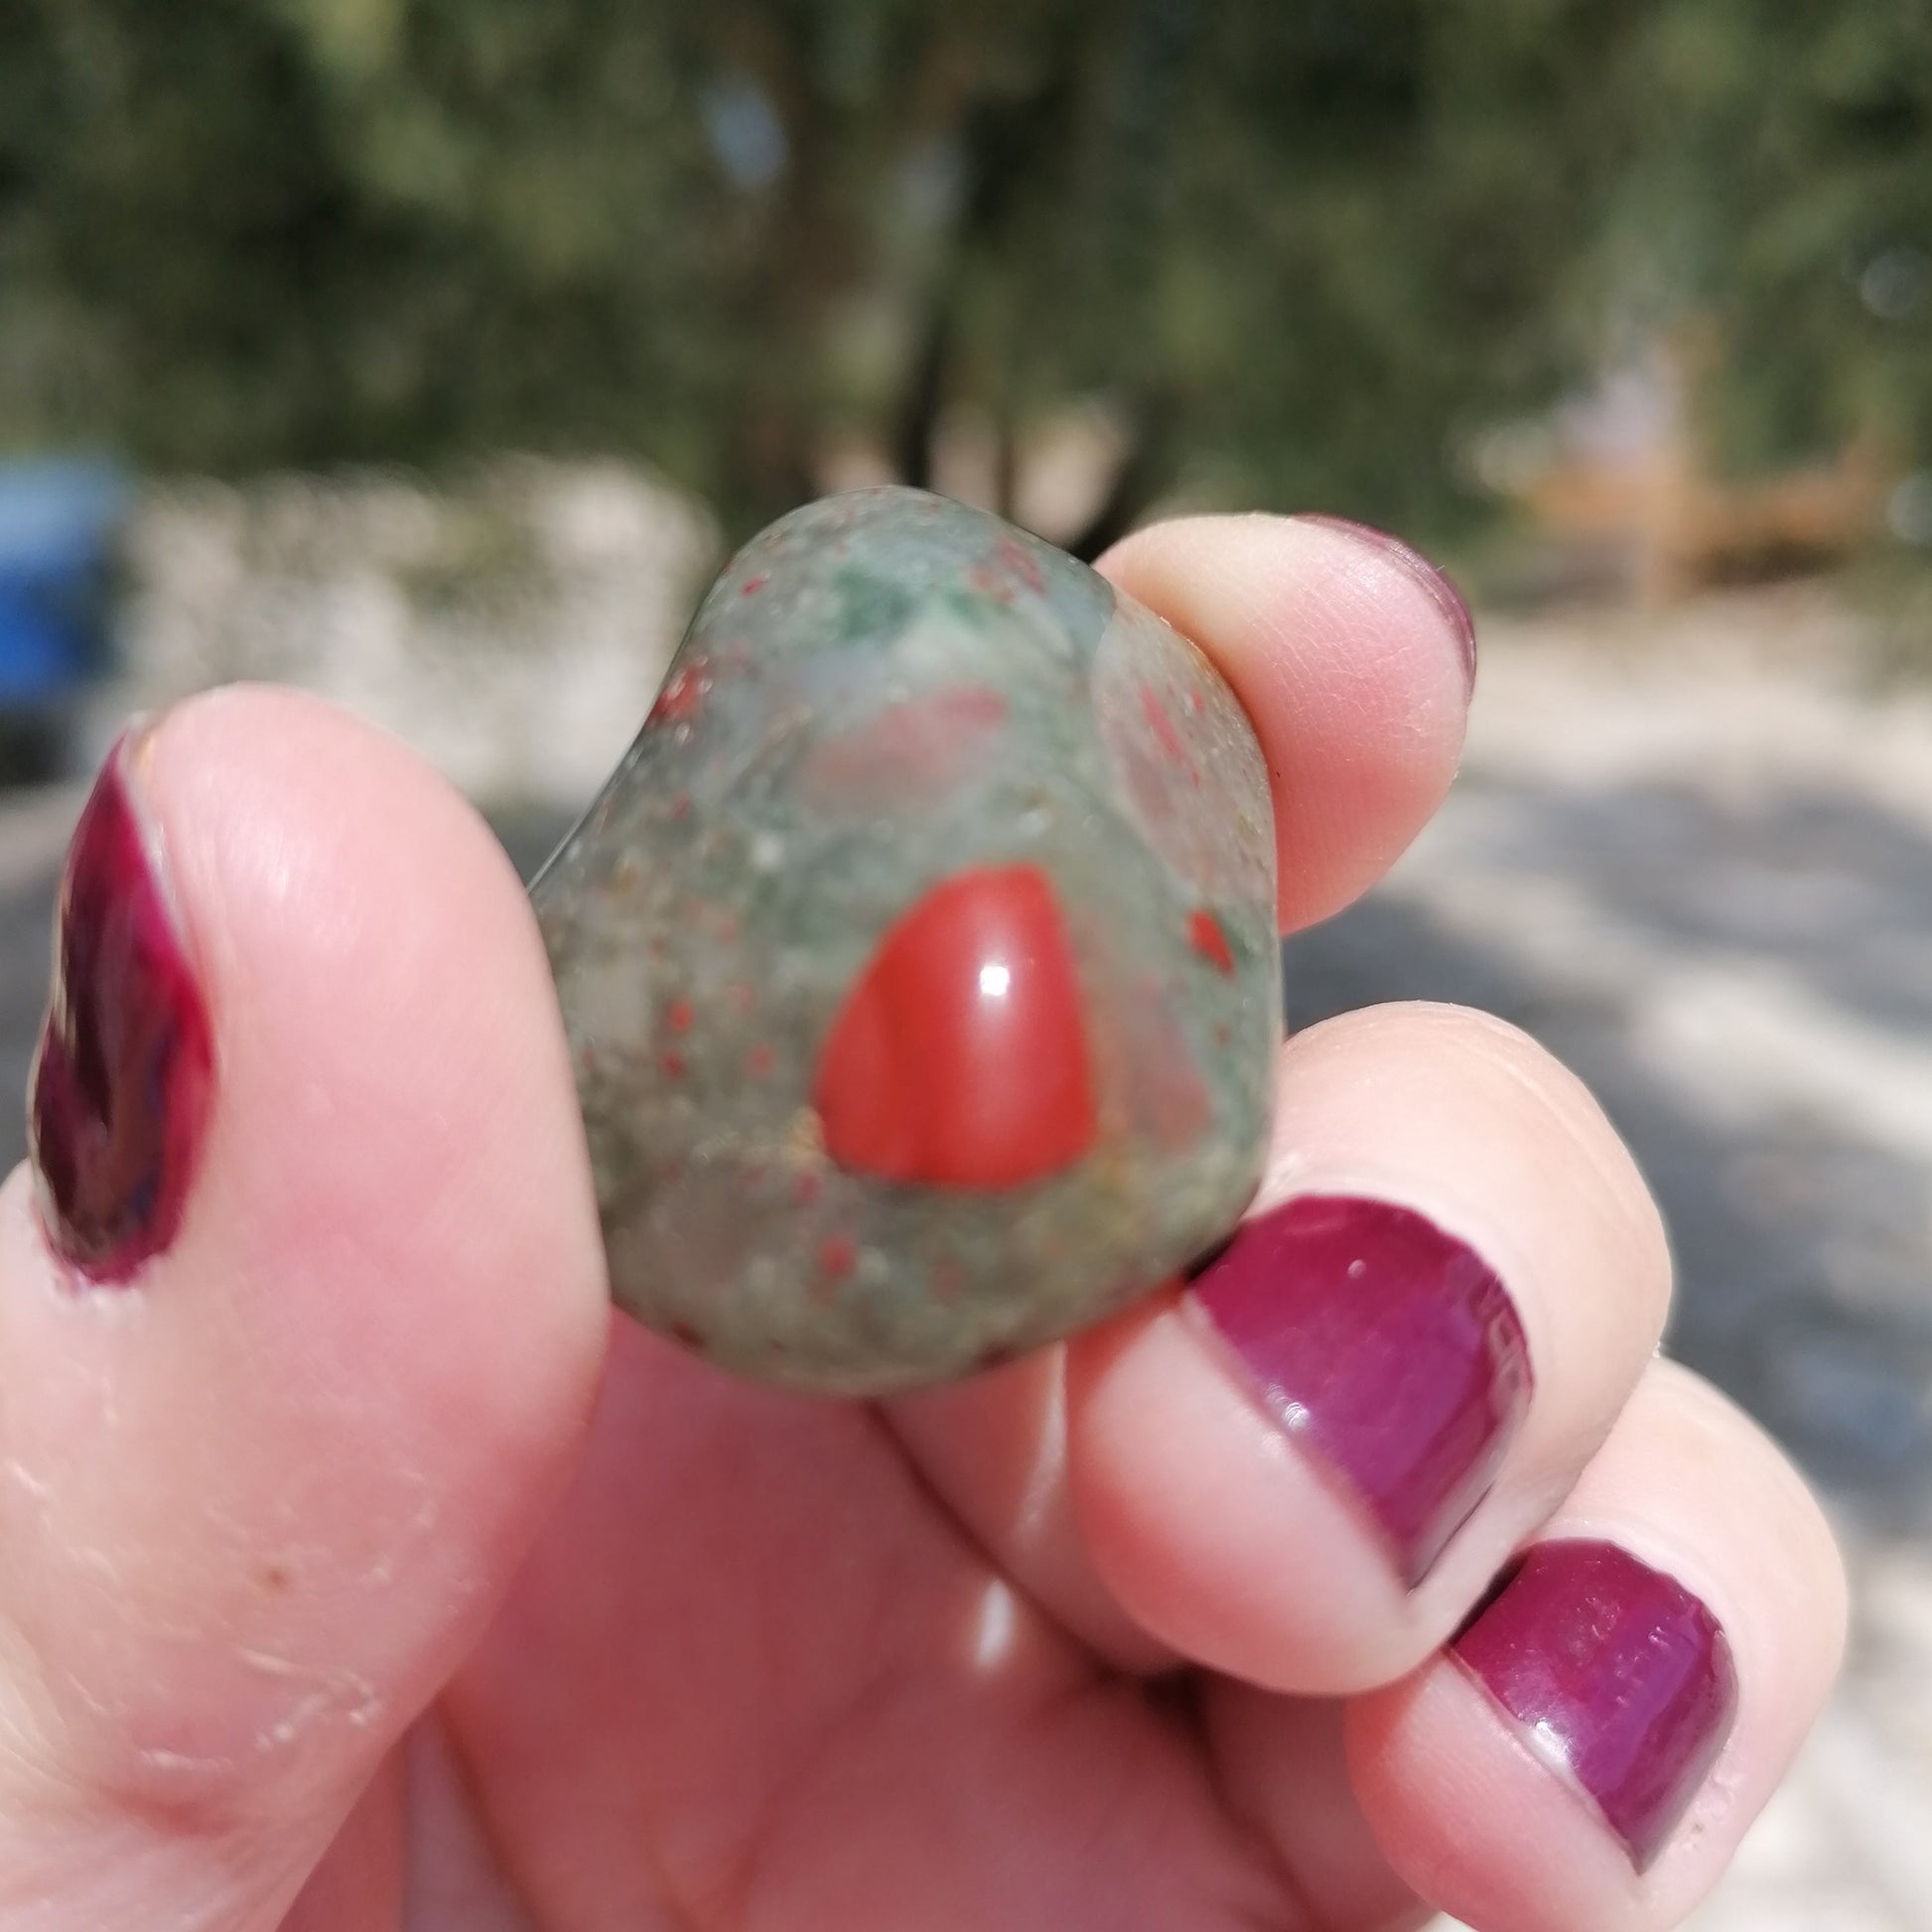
{"points": [[1388, 1348], [1617, 1674], [123, 1079], [1432, 577]]}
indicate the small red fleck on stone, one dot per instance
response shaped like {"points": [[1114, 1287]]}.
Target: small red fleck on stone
{"points": [[1156, 714], [752, 587], [1016, 557], [1195, 703], [837, 1255], [684, 695], [910, 752], [969, 705], [759, 1060], [1171, 1104], [673, 1062], [1205, 934], [960, 1057], [680, 1016], [807, 1189]]}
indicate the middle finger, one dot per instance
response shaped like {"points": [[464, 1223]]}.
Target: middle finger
{"points": [[1307, 1468]]}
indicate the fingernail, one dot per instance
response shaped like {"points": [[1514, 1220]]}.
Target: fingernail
{"points": [[1435, 580], [123, 1079], [1618, 1676], [1389, 1350]]}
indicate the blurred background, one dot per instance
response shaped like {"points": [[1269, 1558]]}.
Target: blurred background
{"points": [[429, 353]]}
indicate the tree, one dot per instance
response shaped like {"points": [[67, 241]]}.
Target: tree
{"points": [[1298, 250], [1786, 201]]}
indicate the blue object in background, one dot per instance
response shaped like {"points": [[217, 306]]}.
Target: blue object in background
{"points": [[59, 523]]}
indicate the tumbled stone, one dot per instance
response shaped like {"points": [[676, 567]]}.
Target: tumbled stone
{"points": [[918, 962]]}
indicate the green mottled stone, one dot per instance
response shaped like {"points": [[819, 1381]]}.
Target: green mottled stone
{"points": [[881, 693]]}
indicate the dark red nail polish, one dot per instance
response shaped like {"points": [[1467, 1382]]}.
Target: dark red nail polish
{"points": [[1432, 577], [1388, 1348], [124, 1076], [1618, 1676]]}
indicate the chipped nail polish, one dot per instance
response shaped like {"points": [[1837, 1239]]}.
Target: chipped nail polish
{"points": [[123, 1079]]}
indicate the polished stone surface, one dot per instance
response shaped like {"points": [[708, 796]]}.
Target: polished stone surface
{"points": [[918, 962]]}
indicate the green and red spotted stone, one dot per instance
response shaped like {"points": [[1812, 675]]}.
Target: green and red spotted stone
{"points": [[918, 962]]}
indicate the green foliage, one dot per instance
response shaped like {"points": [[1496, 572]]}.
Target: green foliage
{"points": [[1797, 177], [1303, 246]]}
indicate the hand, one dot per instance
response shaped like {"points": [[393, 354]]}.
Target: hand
{"points": [[358, 1571]]}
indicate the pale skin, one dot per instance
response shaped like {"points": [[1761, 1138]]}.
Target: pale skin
{"points": [[359, 1571]]}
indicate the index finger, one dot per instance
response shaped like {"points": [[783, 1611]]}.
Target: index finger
{"points": [[1353, 655]]}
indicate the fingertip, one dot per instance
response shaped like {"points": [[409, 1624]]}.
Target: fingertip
{"points": [[1369, 545], [1210, 1528], [1590, 1748], [1352, 656], [1304, 1469]]}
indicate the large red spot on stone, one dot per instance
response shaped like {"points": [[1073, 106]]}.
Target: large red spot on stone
{"points": [[960, 1057]]}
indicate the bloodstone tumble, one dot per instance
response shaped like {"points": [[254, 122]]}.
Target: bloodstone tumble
{"points": [[918, 962]]}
